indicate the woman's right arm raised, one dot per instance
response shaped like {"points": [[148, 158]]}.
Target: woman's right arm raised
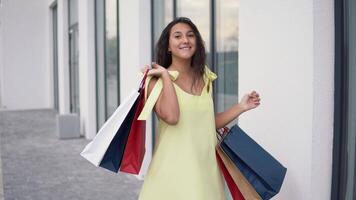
{"points": [[166, 107]]}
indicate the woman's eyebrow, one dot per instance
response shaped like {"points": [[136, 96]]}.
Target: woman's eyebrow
{"points": [[179, 32]]}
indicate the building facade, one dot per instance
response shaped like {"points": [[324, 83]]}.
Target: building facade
{"points": [[84, 57]]}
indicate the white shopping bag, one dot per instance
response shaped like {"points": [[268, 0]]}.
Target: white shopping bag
{"points": [[95, 150]]}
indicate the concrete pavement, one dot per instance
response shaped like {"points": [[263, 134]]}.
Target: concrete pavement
{"points": [[38, 166]]}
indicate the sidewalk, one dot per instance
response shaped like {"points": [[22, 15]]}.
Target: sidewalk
{"points": [[38, 166]]}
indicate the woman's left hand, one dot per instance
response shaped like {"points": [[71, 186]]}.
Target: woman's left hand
{"points": [[250, 101]]}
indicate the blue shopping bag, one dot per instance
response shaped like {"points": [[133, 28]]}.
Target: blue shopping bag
{"points": [[263, 171]]}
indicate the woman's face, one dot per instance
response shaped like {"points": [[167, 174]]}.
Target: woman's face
{"points": [[182, 41]]}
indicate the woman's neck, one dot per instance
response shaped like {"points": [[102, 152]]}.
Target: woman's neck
{"points": [[181, 65]]}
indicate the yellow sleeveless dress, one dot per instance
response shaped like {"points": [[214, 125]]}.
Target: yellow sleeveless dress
{"points": [[184, 165]]}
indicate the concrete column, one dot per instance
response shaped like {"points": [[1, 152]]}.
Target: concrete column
{"points": [[63, 57], [87, 80], [323, 99]]}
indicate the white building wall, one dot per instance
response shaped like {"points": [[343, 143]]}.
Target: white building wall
{"points": [[135, 52], [24, 66], [287, 58], [323, 99]]}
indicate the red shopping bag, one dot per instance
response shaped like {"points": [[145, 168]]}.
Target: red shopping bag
{"points": [[135, 146], [234, 190]]}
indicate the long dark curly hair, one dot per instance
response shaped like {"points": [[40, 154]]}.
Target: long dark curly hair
{"points": [[164, 58]]}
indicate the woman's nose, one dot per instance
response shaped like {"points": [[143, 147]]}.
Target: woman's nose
{"points": [[185, 39]]}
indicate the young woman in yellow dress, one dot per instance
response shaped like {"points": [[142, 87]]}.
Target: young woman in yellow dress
{"points": [[179, 88]]}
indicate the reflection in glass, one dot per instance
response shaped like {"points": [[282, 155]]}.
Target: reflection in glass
{"points": [[227, 34], [73, 56], [106, 25], [162, 15], [73, 11], [100, 62], [111, 56], [74, 69]]}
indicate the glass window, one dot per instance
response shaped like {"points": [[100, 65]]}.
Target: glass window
{"points": [[107, 55], [199, 12], [226, 55], [73, 11], [100, 63], [73, 56], [111, 56], [162, 15]]}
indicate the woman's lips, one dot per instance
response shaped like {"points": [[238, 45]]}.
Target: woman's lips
{"points": [[185, 48]]}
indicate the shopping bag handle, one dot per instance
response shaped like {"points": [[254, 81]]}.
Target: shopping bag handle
{"points": [[222, 132], [142, 84]]}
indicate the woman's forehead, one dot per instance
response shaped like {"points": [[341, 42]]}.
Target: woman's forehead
{"points": [[181, 28]]}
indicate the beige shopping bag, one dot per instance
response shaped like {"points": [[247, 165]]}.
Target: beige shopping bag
{"points": [[247, 190]]}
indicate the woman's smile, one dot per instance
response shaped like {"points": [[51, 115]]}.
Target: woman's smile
{"points": [[185, 48]]}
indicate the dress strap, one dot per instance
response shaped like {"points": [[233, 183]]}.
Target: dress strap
{"points": [[210, 77], [156, 91]]}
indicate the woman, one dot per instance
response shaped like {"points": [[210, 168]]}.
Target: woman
{"points": [[184, 165]]}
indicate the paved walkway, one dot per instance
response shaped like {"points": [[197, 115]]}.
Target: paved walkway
{"points": [[38, 166]]}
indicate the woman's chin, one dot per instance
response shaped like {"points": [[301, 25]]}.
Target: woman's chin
{"points": [[184, 56]]}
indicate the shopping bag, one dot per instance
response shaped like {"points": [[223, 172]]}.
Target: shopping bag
{"points": [[94, 151], [113, 155], [246, 189], [135, 146], [110, 131], [262, 171], [234, 190]]}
